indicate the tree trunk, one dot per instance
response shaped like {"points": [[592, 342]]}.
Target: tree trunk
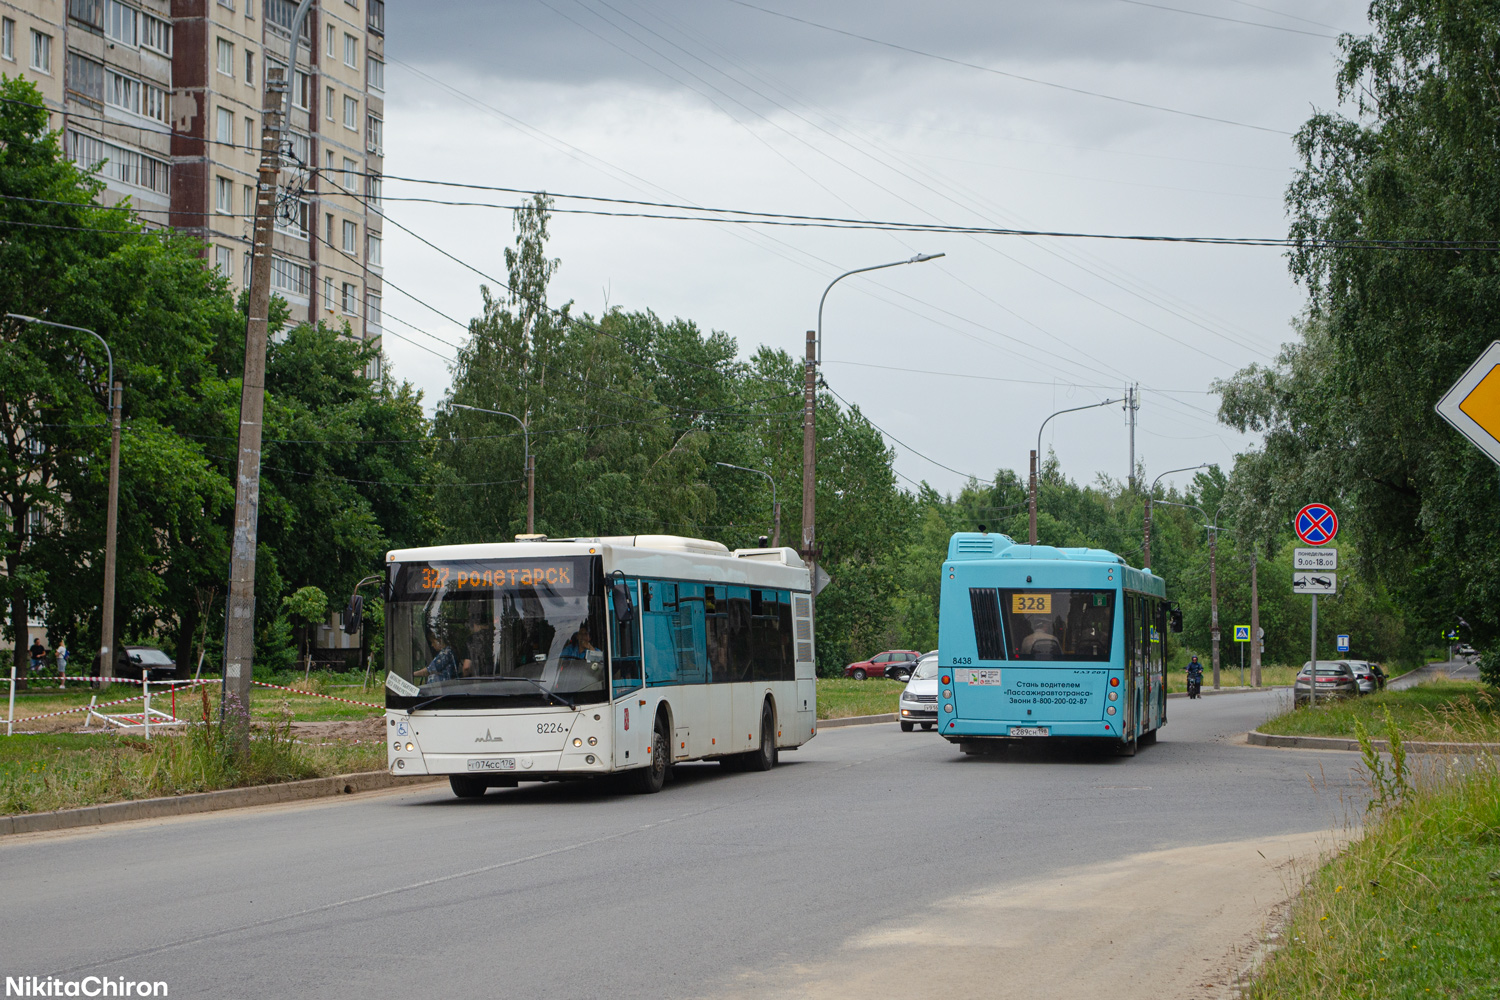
{"points": [[185, 636]]}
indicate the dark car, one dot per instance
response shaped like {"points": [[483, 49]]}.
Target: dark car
{"points": [[144, 663], [896, 664]]}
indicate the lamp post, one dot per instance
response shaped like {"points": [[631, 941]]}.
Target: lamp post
{"points": [[814, 357], [1035, 454], [116, 396], [530, 461], [775, 504], [1149, 493]]}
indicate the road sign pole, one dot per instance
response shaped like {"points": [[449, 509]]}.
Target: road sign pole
{"points": [[1312, 676], [1242, 666]]}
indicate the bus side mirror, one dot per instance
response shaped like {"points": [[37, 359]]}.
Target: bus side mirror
{"points": [[1174, 619], [624, 609], [354, 615]]}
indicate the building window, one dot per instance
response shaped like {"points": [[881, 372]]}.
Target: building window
{"points": [[293, 223], [328, 173], [372, 308], [249, 67], [41, 52], [85, 77], [249, 133], [223, 195], [7, 39], [120, 22], [89, 12], [351, 113], [375, 20], [154, 102], [351, 175], [224, 260], [247, 198], [224, 126], [328, 49], [374, 135], [229, 4], [375, 74], [226, 57], [300, 90], [328, 293], [374, 253], [156, 34], [328, 102], [301, 149], [328, 229], [351, 51], [350, 301], [122, 92], [290, 276], [372, 188], [116, 163], [351, 237]]}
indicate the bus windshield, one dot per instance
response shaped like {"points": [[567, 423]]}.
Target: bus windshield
{"points": [[497, 633], [1059, 624]]}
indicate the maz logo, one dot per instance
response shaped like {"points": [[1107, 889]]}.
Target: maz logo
{"points": [[487, 738]]}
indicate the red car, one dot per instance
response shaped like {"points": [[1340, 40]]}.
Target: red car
{"points": [[896, 664]]}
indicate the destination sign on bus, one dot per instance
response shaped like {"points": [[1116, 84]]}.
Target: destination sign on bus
{"points": [[566, 575]]}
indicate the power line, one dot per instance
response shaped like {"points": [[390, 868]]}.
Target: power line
{"points": [[1000, 72], [1232, 20]]}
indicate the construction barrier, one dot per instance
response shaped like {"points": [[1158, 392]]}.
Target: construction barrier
{"points": [[314, 694], [144, 719]]}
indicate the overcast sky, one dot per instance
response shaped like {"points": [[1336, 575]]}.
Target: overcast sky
{"points": [[726, 104]]}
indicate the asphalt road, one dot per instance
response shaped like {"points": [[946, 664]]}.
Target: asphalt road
{"points": [[1458, 670], [577, 891]]}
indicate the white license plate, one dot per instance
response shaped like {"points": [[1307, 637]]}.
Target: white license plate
{"points": [[493, 764], [1029, 731]]}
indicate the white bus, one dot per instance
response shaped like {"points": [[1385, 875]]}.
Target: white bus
{"points": [[557, 659]]}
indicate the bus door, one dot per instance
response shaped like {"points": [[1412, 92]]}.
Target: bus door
{"points": [[1132, 663], [632, 728]]}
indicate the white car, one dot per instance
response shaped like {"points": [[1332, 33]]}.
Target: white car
{"points": [[919, 699]]}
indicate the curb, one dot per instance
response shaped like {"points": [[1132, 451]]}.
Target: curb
{"points": [[201, 802], [1257, 738], [857, 720]]}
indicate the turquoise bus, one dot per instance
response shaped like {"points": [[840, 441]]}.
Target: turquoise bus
{"points": [[1040, 642]]}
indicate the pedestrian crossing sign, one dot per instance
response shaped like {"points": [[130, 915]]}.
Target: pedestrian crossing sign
{"points": [[1242, 633]]}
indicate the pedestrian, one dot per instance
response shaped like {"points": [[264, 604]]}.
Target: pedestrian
{"points": [[61, 651], [38, 655]]}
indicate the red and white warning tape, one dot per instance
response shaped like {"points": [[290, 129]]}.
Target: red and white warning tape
{"points": [[108, 704], [314, 694]]}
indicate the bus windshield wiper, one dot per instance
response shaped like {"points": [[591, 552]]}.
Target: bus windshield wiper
{"points": [[434, 698], [544, 689]]}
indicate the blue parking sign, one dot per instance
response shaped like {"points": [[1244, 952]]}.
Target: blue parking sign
{"points": [[1343, 644]]}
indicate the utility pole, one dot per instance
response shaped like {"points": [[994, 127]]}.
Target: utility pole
{"points": [[239, 626], [1132, 403], [1213, 596], [1031, 535], [111, 524], [809, 453], [1254, 618], [530, 492]]}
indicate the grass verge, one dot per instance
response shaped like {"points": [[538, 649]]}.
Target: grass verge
{"points": [[43, 772], [842, 698], [1410, 909], [1439, 712], [1229, 676]]}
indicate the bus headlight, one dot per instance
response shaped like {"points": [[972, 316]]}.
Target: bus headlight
{"points": [[577, 742], [589, 759], [948, 707], [1111, 710], [408, 748], [1114, 695], [593, 741]]}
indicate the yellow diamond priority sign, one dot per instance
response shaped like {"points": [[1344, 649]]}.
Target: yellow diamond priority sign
{"points": [[1473, 404]]}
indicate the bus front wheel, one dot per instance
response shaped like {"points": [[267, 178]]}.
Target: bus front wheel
{"points": [[466, 787], [649, 779]]}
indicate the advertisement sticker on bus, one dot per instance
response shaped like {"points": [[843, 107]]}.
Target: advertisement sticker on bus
{"points": [[981, 677]]}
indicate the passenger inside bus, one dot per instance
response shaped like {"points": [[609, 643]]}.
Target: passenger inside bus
{"points": [[443, 666], [1041, 644]]}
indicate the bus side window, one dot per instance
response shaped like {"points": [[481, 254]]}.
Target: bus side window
{"points": [[787, 631], [625, 642], [659, 632]]}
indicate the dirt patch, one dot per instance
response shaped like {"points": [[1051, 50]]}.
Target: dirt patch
{"points": [[341, 731], [1150, 926]]}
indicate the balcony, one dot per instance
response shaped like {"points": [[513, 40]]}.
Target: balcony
{"points": [[375, 19]]}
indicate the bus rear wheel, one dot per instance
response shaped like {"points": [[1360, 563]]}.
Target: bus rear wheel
{"points": [[649, 779], [764, 758], [466, 787]]}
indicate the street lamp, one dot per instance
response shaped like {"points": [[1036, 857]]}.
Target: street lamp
{"points": [[116, 395], [530, 461], [1147, 525], [775, 504], [1038, 451], [814, 357]]}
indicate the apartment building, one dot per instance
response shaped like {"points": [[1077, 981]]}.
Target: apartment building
{"points": [[167, 95]]}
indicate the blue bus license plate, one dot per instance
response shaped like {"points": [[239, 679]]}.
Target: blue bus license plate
{"points": [[1027, 731], [493, 764]]}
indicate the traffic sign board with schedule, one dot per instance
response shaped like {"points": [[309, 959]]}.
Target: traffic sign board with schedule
{"points": [[1315, 559]]}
